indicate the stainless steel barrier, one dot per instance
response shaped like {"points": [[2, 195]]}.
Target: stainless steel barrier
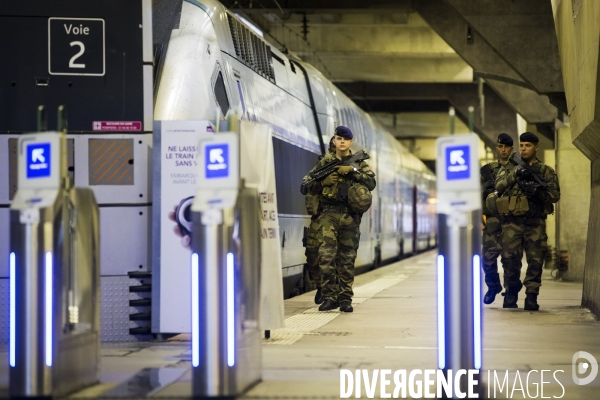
{"points": [[225, 274], [459, 305], [54, 275]]}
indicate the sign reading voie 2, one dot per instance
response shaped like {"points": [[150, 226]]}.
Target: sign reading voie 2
{"points": [[457, 162], [38, 160], [76, 46]]}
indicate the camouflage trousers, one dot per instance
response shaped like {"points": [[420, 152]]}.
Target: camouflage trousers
{"points": [[492, 248], [339, 237], [518, 235], [312, 252]]}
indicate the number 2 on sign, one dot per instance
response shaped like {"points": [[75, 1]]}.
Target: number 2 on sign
{"points": [[76, 56]]}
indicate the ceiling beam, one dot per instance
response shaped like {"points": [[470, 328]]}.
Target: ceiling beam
{"points": [[498, 116], [323, 6], [486, 61], [523, 34]]}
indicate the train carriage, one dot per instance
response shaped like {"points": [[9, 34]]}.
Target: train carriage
{"points": [[216, 65]]}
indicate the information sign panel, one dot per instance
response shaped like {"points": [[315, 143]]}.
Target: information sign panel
{"points": [[216, 161], [76, 46], [457, 162], [39, 160]]}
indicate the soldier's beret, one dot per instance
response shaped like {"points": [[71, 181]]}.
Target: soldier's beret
{"points": [[529, 137], [344, 132], [504, 138]]}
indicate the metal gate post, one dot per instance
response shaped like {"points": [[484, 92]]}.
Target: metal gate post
{"points": [[459, 260]]}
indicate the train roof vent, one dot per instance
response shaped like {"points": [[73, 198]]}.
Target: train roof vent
{"points": [[251, 50]]}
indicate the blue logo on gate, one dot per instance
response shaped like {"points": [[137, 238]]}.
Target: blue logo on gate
{"points": [[38, 160], [457, 162], [216, 161]]}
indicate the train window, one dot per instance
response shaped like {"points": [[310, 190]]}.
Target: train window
{"points": [[221, 94], [292, 67], [276, 57]]}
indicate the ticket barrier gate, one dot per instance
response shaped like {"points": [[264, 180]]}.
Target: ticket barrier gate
{"points": [[225, 273], [459, 261], [54, 275]]}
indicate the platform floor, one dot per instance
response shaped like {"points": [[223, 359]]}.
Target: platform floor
{"points": [[393, 327]]}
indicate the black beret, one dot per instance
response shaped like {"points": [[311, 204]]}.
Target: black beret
{"points": [[529, 137], [344, 132], [504, 138]]}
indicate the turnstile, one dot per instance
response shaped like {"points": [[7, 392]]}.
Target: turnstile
{"points": [[225, 273], [459, 308], [54, 275]]}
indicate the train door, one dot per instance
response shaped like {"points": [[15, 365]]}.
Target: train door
{"points": [[415, 200]]}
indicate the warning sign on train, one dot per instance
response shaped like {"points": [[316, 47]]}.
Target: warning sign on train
{"points": [[117, 126], [76, 46]]}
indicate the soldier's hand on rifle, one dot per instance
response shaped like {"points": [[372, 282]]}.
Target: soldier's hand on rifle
{"points": [[331, 179], [523, 173], [344, 169], [529, 188]]}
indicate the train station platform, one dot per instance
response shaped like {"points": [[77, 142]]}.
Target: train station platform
{"points": [[393, 327]]}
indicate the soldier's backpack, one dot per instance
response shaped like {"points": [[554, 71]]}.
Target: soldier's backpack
{"points": [[359, 198]]}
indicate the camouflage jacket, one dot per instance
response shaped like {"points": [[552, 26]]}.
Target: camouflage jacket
{"points": [[364, 176], [495, 168], [541, 204]]}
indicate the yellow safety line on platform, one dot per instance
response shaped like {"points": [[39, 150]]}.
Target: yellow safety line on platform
{"points": [[299, 325]]}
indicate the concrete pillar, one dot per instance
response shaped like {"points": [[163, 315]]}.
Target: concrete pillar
{"points": [[550, 160], [591, 280], [578, 29], [573, 169]]}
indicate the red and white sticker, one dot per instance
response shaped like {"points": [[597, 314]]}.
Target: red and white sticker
{"points": [[117, 126]]}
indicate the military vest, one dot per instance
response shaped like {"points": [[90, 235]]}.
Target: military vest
{"points": [[514, 202]]}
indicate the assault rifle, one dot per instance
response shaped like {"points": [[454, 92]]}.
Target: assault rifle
{"points": [[531, 180], [328, 168], [489, 185]]}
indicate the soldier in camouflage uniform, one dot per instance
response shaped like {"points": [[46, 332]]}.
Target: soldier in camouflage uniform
{"points": [[492, 232], [312, 241], [525, 203], [338, 224]]}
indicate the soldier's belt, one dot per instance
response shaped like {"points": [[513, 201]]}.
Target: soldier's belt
{"points": [[333, 208]]}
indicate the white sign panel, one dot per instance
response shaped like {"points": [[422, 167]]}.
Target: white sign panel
{"points": [[258, 170], [457, 167], [39, 170], [178, 183]]}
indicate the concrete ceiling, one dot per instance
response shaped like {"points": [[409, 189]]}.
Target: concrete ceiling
{"points": [[440, 47], [497, 115]]}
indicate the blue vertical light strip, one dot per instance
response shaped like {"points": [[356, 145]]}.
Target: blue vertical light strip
{"points": [[477, 310], [441, 313], [195, 316], [230, 311], [13, 308], [49, 298]]}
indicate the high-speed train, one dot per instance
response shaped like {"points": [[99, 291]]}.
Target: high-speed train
{"points": [[215, 63]]}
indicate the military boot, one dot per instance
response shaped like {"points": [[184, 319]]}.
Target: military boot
{"points": [[318, 296], [490, 296], [510, 299], [492, 280], [531, 303], [328, 305], [346, 306]]}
